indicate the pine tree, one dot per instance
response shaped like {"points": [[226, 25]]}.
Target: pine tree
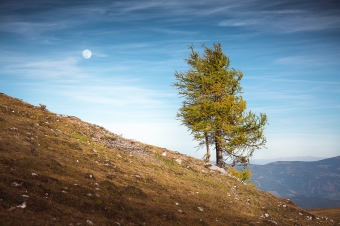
{"points": [[214, 110]]}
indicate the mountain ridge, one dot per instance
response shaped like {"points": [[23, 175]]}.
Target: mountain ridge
{"points": [[290, 159], [297, 180]]}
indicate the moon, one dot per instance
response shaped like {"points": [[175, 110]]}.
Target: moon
{"points": [[87, 54]]}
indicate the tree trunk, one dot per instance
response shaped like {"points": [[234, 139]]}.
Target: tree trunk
{"points": [[207, 155], [218, 147]]}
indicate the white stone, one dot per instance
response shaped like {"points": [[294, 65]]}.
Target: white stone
{"points": [[23, 205], [89, 222], [216, 168]]}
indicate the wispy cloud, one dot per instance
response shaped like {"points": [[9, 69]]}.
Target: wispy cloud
{"points": [[45, 69], [284, 24], [278, 78], [31, 28], [240, 22], [307, 23], [116, 95], [282, 16], [290, 18]]}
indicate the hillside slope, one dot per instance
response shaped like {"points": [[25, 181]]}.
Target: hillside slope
{"points": [[311, 184], [58, 170]]}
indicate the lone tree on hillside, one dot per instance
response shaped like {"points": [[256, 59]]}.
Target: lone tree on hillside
{"points": [[214, 110]]}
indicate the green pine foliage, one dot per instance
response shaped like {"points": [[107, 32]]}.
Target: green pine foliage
{"points": [[214, 110], [244, 175]]}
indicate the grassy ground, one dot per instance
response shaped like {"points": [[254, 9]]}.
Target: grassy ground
{"points": [[69, 172], [332, 213]]}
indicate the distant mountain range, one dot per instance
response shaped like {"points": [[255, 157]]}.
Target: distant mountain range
{"points": [[298, 158], [309, 184]]}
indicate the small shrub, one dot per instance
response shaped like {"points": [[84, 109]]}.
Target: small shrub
{"points": [[80, 136], [166, 161], [244, 175]]}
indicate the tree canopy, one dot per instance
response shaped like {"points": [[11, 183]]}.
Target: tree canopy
{"points": [[214, 110]]}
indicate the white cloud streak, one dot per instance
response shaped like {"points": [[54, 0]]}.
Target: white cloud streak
{"points": [[45, 69], [262, 16]]}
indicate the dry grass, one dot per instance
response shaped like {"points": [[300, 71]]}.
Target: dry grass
{"points": [[73, 173], [333, 213]]}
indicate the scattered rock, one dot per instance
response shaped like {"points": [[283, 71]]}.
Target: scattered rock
{"points": [[200, 209], [89, 222], [216, 168], [23, 205], [115, 141], [90, 176], [271, 221], [15, 184]]}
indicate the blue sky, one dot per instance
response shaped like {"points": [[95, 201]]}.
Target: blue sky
{"points": [[288, 50]]}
